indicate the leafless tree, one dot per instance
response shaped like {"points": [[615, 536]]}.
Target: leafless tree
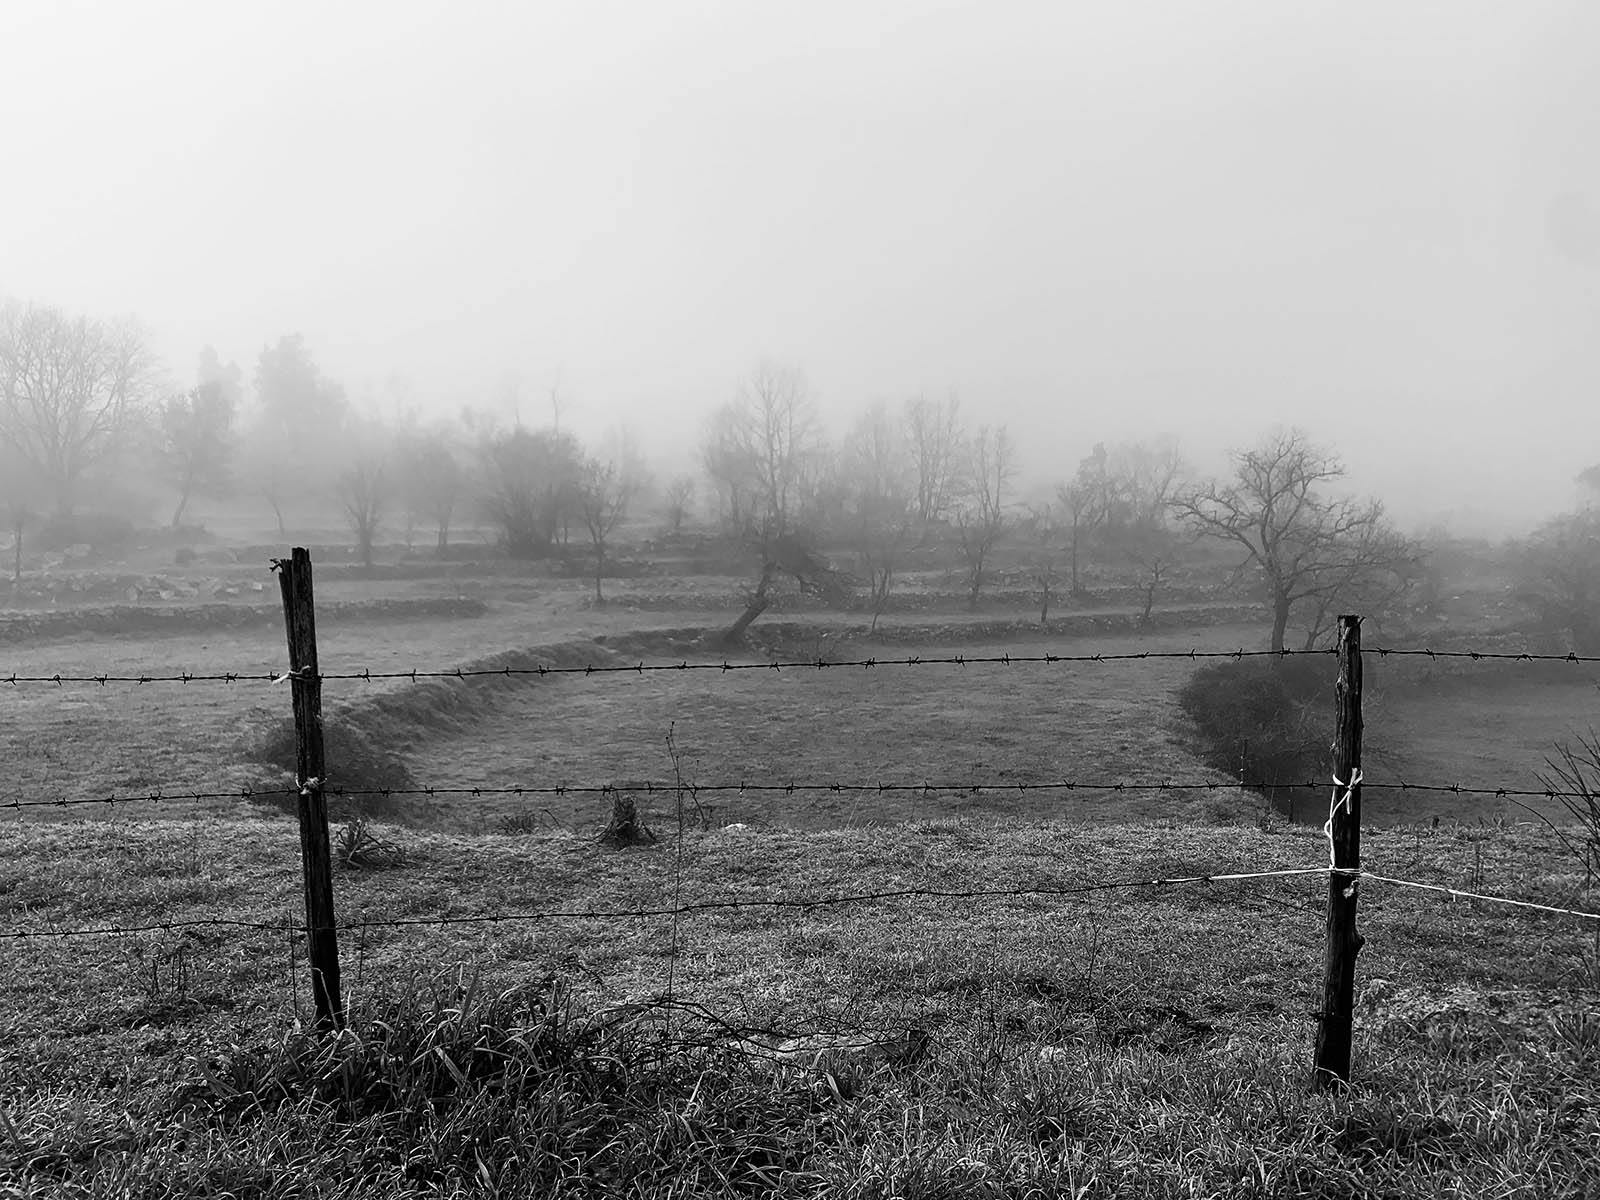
{"points": [[981, 518], [933, 430], [679, 496], [20, 494], [1308, 551], [362, 494], [604, 491], [1044, 565], [1560, 572], [876, 477], [196, 440], [1075, 502], [70, 389], [1142, 477], [432, 480], [528, 485], [759, 450]]}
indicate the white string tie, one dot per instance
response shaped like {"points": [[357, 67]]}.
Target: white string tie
{"points": [[1346, 802]]}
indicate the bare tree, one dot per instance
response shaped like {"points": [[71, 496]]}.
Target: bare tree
{"points": [[933, 429], [1153, 550], [196, 442], [1307, 550], [981, 519], [1044, 566], [1141, 479], [432, 480], [20, 494], [875, 479], [759, 450], [679, 496], [70, 389], [604, 491], [1075, 502], [362, 494], [1560, 572], [529, 479]]}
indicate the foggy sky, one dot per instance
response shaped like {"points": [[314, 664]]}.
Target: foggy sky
{"points": [[1094, 221]]}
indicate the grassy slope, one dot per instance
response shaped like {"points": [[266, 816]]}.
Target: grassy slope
{"points": [[1147, 1042]]}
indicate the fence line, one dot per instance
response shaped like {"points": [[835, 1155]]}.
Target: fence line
{"points": [[725, 666], [741, 788], [321, 922]]}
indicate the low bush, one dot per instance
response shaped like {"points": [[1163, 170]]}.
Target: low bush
{"points": [[1265, 720]]}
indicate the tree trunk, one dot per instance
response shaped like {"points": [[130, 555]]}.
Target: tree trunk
{"points": [[599, 570], [1280, 622], [185, 486], [444, 536], [758, 605], [16, 564]]}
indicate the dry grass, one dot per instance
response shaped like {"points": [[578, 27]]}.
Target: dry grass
{"points": [[1142, 1043], [1496, 729]]}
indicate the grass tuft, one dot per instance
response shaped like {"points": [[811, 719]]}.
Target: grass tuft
{"points": [[357, 845]]}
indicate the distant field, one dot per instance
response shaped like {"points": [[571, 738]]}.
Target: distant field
{"points": [[1495, 730], [934, 724], [939, 724]]}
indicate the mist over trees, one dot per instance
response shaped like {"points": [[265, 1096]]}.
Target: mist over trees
{"points": [[71, 390], [1308, 551], [844, 515]]}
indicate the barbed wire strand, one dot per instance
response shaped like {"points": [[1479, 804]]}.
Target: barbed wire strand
{"points": [[639, 912], [720, 666], [811, 902], [724, 666], [840, 787]]}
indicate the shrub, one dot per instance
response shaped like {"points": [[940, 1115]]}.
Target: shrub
{"points": [[1268, 720]]}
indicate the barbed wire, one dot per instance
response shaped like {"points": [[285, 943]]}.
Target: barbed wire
{"points": [[720, 666], [640, 912], [724, 665], [1480, 655], [789, 788], [799, 903]]}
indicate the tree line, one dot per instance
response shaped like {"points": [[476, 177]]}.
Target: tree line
{"points": [[835, 516]]}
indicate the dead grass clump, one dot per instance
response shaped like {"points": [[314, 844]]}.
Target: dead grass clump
{"points": [[358, 846], [626, 827]]}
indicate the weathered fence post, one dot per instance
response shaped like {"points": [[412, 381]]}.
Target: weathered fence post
{"points": [[322, 938], [1344, 834]]}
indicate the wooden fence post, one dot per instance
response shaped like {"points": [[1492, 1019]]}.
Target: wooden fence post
{"points": [[322, 937], [1334, 1028]]}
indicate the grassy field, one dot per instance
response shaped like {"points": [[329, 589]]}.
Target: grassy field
{"points": [[1149, 1042], [1138, 1042]]}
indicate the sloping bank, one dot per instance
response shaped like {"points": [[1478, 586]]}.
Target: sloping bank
{"points": [[190, 618], [801, 637], [366, 738]]}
